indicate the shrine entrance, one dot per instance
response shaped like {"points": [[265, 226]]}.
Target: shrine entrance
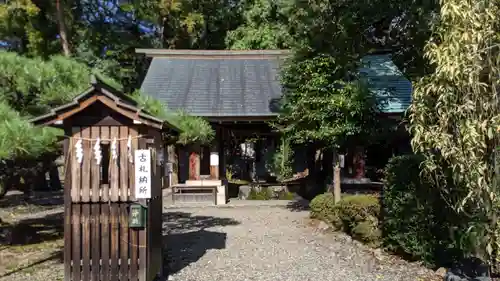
{"points": [[112, 186]]}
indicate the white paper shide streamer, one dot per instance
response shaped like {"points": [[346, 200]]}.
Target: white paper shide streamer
{"points": [[129, 149], [97, 151], [79, 151], [114, 152]]}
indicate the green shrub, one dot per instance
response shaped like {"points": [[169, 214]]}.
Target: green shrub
{"points": [[252, 195], [368, 231], [3, 189], [285, 195], [323, 208], [262, 194], [194, 129], [282, 161], [358, 208], [356, 215], [417, 223]]}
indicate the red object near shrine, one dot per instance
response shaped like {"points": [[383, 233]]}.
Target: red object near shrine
{"points": [[359, 164], [194, 164]]}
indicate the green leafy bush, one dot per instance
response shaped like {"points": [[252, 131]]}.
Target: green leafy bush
{"points": [[268, 194], [285, 195], [194, 129], [417, 222], [3, 189], [21, 147], [33, 86], [358, 207], [368, 231], [319, 105], [323, 208], [262, 194], [19, 139], [357, 215], [282, 160]]}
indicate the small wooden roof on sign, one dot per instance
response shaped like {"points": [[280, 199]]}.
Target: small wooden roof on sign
{"points": [[111, 98]]}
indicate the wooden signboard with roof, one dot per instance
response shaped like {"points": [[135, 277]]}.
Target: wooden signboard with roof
{"points": [[112, 186]]}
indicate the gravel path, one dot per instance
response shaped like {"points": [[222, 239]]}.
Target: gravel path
{"points": [[248, 241], [271, 243]]}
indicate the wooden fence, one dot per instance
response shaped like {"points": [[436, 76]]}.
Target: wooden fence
{"points": [[99, 245]]}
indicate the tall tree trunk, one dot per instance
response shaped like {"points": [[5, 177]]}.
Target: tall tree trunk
{"points": [[62, 28]]}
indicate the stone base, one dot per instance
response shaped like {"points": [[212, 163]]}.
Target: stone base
{"points": [[221, 189], [244, 192], [355, 180], [221, 195], [203, 182]]}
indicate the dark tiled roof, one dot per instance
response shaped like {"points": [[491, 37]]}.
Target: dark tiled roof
{"points": [[213, 53], [227, 84], [215, 87]]}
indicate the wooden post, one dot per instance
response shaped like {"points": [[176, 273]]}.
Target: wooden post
{"points": [[336, 177], [68, 216], [172, 158], [221, 138]]}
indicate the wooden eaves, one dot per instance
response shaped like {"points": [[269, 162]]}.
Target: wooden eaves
{"points": [[110, 97]]}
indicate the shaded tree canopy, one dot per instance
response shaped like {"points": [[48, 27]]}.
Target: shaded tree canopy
{"points": [[328, 38], [264, 27], [31, 86], [319, 107]]}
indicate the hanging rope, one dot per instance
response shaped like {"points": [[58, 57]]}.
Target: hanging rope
{"points": [[92, 140]]}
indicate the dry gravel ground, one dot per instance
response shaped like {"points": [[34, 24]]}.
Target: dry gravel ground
{"points": [[36, 252], [249, 241], [272, 243]]}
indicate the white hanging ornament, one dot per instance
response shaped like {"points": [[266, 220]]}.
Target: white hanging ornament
{"points": [[79, 151], [97, 151], [114, 153], [129, 149]]}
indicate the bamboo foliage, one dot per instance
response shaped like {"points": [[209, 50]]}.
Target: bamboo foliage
{"points": [[455, 114]]}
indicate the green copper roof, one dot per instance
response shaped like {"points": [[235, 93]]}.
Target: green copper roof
{"points": [[388, 83]]}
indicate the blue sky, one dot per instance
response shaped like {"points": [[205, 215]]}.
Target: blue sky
{"points": [[117, 15]]}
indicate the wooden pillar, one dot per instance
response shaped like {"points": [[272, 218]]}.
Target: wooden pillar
{"points": [[172, 159], [68, 216], [205, 160], [221, 138]]}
